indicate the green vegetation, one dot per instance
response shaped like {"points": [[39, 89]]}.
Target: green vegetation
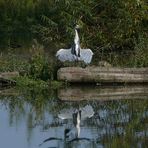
{"points": [[12, 62], [38, 71], [107, 21], [116, 31], [27, 82], [30, 82], [106, 24]]}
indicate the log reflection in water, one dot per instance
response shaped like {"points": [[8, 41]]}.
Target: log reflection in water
{"points": [[74, 93]]}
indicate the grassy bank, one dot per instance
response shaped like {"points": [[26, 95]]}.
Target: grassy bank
{"points": [[40, 69], [25, 81]]}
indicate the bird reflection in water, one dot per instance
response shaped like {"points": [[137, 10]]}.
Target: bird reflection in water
{"points": [[73, 133]]}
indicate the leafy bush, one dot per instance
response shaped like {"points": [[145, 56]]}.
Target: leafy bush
{"points": [[107, 25], [140, 56], [25, 81], [12, 62], [40, 65]]}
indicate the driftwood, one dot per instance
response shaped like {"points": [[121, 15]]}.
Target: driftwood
{"points": [[103, 74], [6, 78], [6, 91], [78, 93]]}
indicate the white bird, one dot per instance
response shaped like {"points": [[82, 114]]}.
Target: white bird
{"points": [[75, 53]]}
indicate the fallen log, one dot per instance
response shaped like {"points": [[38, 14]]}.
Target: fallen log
{"points": [[6, 78], [6, 82], [102, 75], [77, 93], [9, 75]]}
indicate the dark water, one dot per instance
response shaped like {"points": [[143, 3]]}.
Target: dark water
{"points": [[39, 119]]}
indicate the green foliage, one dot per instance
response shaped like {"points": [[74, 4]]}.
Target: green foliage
{"points": [[140, 58], [12, 62], [38, 72], [25, 81], [56, 84], [38, 67], [136, 58], [106, 23], [108, 26], [41, 67]]}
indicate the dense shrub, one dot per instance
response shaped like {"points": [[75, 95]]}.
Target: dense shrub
{"points": [[104, 23], [41, 66], [107, 25]]}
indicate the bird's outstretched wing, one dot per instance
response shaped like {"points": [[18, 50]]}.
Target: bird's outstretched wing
{"points": [[65, 55], [86, 55]]}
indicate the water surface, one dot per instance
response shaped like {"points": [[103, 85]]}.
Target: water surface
{"points": [[40, 119]]}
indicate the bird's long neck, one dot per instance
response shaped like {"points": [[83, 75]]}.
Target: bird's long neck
{"points": [[76, 40], [76, 46]]}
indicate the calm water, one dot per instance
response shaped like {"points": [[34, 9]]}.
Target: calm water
{"points": [[39, 119]]}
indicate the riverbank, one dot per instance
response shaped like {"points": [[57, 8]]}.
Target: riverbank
{"points": [[42, 70], [9, 79]]}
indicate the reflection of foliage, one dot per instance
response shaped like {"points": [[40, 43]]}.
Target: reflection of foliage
{"points": [[37, 101], [127, 122], [122, 122]]}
